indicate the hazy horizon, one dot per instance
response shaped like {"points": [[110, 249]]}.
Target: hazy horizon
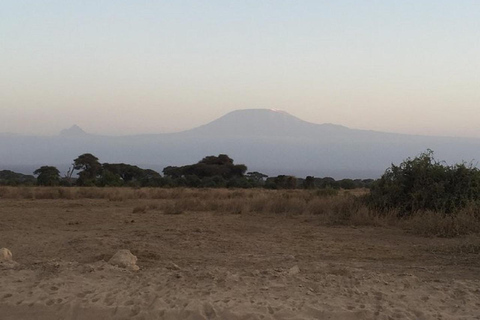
{"points": [[122, 68], [75, 126]]}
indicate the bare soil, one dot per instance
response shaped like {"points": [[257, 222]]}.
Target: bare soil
{"points": [[204, 265]]}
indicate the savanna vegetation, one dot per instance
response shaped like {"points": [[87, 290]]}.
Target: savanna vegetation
{"points": [[10, 178], [426, 184], [423, 195], [210, 172]]}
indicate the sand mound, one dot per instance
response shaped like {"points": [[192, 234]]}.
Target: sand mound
{"points": [[124, 259]]}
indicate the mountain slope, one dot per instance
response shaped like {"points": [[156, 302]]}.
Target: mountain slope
{"points": [[73, 131], [262, 123], [268, 141]]}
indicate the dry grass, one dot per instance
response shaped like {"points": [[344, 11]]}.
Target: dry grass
{"points": [[343, 208], [140, 209], [430, 223]]}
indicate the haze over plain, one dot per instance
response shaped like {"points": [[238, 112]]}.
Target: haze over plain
{"points": [[273, 142], [119, 68]]}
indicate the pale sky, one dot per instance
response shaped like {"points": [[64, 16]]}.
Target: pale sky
{"points": [[127, 67]]}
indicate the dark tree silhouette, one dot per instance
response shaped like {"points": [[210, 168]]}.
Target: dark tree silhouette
{"points": [[90, 169], [47, 176], [211, 166], [309, 182]]}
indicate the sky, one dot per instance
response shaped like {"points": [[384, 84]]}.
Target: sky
{"points": [[127, 67]]}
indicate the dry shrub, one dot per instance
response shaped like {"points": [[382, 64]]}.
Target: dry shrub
{"points": [[25, 193], [140, 194], [469, 248], [346, 210], [258, 204], [177, 206], [343, 209], [172, 207], [153, 206], [116, 196], [92, 193], [469, 244], [191, 204], [237, 194], [320, 206], [4, 192], [139, 209], [160, 193], [46, 193], [330, 207], [236, 206], [66, 193], [366, 217], [430, 223], [285, 204], [327, 192], [178, 193], [9, 192], [213, 205]]}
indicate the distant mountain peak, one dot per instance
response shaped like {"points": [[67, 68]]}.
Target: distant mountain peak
{"points": [[73, 131], [261, 114], [263, 123], [279, 111]]}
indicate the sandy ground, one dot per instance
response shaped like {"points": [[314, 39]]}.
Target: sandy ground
{"points": [[199, 265]]}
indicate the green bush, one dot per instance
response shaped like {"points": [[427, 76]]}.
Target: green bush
{"points": [[423, 183]]}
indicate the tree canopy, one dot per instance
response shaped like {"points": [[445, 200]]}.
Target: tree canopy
{"points": [[90, 169], [211, 166], [210, 172], [47, 176]]}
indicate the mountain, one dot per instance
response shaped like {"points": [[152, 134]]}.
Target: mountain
{"points": [[73, 131], [269, 141], [261, 123]]}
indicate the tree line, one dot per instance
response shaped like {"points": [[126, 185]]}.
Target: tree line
{"points": [[419, 184], [210, 172]]}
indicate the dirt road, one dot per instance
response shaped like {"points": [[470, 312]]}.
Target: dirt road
{"points": [[200, 265]]}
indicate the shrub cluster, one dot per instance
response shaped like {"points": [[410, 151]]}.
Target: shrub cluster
{"points": [[10, 178], [423, 183]]}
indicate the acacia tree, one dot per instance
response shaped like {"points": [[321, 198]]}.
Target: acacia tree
{"points": [[47, 176], [285, 182], [90, 169], [256, 178], [211, 166], [309, 182], [120, 173]]}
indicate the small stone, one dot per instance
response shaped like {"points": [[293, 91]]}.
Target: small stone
{"points": [[174, 266], [294, 270], [124, 259], [5, 255]]}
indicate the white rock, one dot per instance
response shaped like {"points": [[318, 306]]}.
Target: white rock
{"points": [[174, 266], [124, 259], [5, 255], [294, 270]]}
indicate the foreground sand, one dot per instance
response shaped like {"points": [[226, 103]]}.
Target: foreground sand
{"points": [[199, 265]]}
